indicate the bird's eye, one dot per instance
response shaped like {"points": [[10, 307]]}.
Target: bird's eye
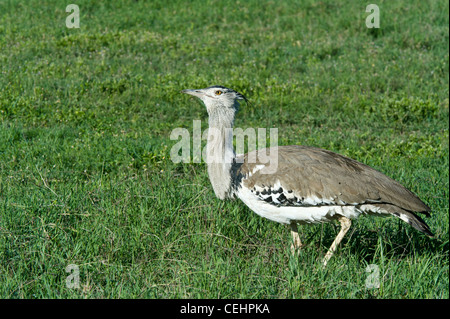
{"points": [[218, 92]]}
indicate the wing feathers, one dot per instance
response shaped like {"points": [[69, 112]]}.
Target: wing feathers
{"points": [[312, 176]]}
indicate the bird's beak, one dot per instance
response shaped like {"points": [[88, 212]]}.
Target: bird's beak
{"points": [[196, 93]]}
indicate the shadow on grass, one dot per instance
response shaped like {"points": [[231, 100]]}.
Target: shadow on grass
{"points": [[397, 240]]}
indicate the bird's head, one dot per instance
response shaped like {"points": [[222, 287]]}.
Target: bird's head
{"points": [[217, 98]]}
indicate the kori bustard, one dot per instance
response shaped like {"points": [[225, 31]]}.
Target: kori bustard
{"points": [[308, 185]]}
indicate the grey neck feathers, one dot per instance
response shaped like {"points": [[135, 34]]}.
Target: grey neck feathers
{"points": [[220, 151]]}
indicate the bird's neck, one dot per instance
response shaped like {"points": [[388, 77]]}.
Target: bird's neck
{"points": [[220, 153]]}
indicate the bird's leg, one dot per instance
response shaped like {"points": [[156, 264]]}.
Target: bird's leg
{"points": [[296, 238], [345, 226]]}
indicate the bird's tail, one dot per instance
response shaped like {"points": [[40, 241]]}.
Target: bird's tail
{"points": [[407, 216], [415, 221]]}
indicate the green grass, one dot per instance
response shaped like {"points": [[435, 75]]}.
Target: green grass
{"points": [[85, 170]]}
